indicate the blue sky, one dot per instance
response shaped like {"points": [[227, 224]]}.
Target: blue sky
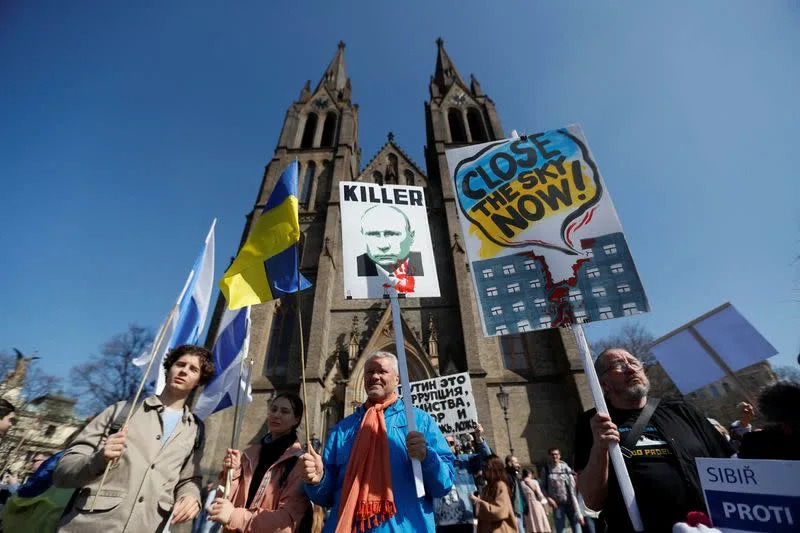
{"points": [[126, 127]]}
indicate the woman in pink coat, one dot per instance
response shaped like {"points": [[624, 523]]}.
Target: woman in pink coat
{"points": [[267, 490], [536, 518]]}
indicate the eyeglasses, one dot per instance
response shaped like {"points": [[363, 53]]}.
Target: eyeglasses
{"points": [[621, 366]]}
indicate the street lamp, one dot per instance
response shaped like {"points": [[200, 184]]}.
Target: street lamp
{"points": [[502, 397]]}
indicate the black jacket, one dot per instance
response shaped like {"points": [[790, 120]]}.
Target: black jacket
{"points": [[672, 417]]}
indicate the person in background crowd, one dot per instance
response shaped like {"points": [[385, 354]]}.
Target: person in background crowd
{"points": [[589, 516], [535, 520], [660, 459], [267, 493], [156, 457], [780, 438], [8, 416], [453, 512], [739, 428], [559, 487], [37, 460], [517, 496], [493, 508], [365, 474], [719, 427]]}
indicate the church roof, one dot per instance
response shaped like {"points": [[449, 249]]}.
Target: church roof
{"points": [[446, 73], [390, 141], [335, 76]]}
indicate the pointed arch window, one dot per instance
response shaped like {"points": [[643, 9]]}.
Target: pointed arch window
{"points": [[409, 177], [281, 336], [308, 178], [328, 129], [476, 126], [309, 131], [457, 132]]}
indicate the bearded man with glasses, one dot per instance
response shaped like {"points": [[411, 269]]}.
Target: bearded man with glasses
{"points": [[659, 440]]}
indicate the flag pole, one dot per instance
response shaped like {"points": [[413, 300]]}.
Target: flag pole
{"points": [[236, 421], [234, 433], [302, 348], [300, 327], [153, 351], [399, 343], [614, 452]]}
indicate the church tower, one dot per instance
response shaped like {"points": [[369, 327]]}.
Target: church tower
{"points": [[540, 370], [320, 130]]}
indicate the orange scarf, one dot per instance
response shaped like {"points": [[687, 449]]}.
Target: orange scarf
{"points": [[368, 478]]}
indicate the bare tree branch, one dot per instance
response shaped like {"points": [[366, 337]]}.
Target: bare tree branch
{"points": [[634, 338], [788, 372], [111, 376]]}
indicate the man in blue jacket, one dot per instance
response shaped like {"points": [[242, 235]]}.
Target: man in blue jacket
{"points": [[454, 511], [365, 473]]}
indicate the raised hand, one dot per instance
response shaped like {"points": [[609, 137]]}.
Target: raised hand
{"points": [[233, 460], [312, 466], [604, 430], [115, 445], [415, 444]]}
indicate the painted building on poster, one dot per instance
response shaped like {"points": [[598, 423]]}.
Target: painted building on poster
{"points": [[540, 370], [606, 286]]}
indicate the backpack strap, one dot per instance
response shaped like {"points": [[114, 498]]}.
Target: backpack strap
{"points": [[642, 420], [200, 434]]}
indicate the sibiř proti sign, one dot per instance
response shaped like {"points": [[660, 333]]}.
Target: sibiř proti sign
{"points": [[751, 495]]}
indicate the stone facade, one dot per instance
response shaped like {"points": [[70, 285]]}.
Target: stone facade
{"points": [[44, 425], [442, 335]]}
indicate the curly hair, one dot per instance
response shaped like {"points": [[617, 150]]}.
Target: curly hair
{"points": [[779, 402], [207, 368]]}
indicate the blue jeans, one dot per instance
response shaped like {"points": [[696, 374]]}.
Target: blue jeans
{"points": [[563, 511]]}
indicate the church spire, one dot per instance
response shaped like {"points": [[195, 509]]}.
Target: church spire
{"points": [[446, 73], [335, 77]]}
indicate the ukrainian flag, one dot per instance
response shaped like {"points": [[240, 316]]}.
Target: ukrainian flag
{"points": [[266, 267]]}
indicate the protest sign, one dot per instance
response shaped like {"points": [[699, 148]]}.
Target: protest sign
{"points": [[449, 400], [711, 347], [544, 242], [751, 495], [385, 233]]}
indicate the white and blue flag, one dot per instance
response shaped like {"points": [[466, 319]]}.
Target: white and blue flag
{"points": [[188, 323], [230, 351]]}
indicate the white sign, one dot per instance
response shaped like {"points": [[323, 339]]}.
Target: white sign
{"points": [[751, 495], [726, 332], [545, 246], [449, 400], [386, 241]]}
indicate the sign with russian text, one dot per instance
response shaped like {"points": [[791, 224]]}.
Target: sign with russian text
{"points": [[545, 244], [751, 495], [386, 241], [449, 400]]}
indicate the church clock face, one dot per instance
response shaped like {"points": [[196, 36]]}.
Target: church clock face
{"points": [[459, 98], [321, 103]]}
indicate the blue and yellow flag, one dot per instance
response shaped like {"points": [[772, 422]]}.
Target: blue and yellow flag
{"points": [[266, 267]]}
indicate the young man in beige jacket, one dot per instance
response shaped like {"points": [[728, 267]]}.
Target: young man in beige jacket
{"points": [[155, 470]]}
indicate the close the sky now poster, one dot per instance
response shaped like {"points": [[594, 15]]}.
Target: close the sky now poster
{"points": [[544, 242]]}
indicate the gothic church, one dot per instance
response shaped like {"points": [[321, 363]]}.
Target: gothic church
{"points": [[540, 371]]}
